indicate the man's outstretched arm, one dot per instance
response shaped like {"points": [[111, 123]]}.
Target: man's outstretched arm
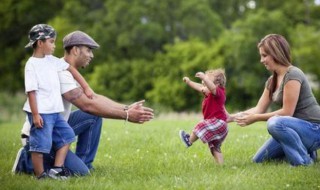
{"points": [[107, 108]]}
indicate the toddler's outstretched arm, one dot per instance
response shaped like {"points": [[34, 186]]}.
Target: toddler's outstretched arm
{"points": [[209, 84], [196, 86]]}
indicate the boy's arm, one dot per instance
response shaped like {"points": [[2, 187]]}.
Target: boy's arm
{"points": [[83, 83], [37, 120], [196, 86]]}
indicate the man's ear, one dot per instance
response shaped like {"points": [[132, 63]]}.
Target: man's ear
{"points": [[75, 50]]}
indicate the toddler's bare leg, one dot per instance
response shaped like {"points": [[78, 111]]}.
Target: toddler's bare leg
{"points": [[193, 137], [217, 156]]}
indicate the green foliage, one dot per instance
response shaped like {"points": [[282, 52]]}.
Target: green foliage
{"points": [[16, 18], [11, 106], [179, 60], [147, 46], [63, 25], [129, 80], [246, 75], [306, 45], [297, 11], [230, 10], [138, 28]]}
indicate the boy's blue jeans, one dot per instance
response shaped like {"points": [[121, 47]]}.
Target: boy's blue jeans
{"points": [[55, 131], [291, 137], [88, 129]]}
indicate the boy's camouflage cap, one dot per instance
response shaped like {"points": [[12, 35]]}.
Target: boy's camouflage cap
{"points": [[40, 32]]}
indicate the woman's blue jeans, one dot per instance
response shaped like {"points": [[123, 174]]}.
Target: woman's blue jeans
{"points": [[292, 138]]}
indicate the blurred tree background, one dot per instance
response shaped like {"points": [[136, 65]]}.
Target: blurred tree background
{"points": [[147, 46]]}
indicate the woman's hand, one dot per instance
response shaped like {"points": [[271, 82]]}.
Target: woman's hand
{"points": [[244, 119]]}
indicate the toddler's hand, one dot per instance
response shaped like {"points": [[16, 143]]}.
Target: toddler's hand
{"points": [[205, 91], [89, 92], [186, 79], [200, 75]]}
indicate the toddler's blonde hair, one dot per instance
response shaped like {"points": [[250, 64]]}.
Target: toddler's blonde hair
{"points": [[217, 76]]}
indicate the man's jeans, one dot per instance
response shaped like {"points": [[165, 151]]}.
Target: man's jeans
{"points": [[291, 137], [88, 129]]}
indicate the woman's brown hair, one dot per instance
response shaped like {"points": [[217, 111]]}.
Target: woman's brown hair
{"points": [[278, 48]]}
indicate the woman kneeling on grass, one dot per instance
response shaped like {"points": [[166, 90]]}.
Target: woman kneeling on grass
{"points": [[295, 127], [213, 128]]}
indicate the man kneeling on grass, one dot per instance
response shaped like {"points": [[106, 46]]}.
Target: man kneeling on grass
{"points": [[87, 121]]}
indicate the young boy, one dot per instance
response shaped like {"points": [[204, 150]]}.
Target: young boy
{"points": [[44, 102], [213, 128]]}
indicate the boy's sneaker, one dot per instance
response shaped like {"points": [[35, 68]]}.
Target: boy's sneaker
{"points": [[44, 175], [59, 173], [314, 155], [185, 138], [24, 139], [16, 162]]}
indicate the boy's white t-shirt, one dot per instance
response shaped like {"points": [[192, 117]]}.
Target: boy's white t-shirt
{"points": [[67, 83], [41, 76]]}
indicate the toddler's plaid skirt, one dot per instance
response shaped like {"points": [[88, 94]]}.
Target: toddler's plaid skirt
{"points": [[212, 131]]}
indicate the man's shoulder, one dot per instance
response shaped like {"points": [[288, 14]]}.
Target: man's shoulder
{"points": [[66, 77], [67, 82]]}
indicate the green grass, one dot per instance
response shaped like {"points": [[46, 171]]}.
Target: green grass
{"points": [[151, 156]]}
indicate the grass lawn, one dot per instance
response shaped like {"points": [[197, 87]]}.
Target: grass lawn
{"points": [[151, 156]]}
